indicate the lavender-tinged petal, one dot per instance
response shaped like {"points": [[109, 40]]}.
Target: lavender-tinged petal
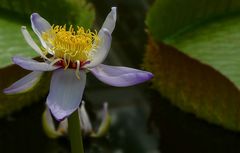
{"points": [[24, 84], [65, 92], [102, 50], [120, 76], [32, 65], [31, 42], [40, 25], [110, 21]]}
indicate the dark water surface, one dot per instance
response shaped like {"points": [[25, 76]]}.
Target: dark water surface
{"points": [[142, 121]]}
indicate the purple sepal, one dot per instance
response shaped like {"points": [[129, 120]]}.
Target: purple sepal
{"points": [[32, 65], [24, 84], [120, 76]]}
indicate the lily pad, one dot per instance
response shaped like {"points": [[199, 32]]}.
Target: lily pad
{"points": [[194, 51], [12, 42], [57, 11], [214, 43]]}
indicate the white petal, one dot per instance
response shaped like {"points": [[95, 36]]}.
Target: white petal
{"points": [[120, 76], [102, 50], [31, 42], [104, 34], [65, 92], [32, 65], [110, 21], [84, 119], [40, 25]]}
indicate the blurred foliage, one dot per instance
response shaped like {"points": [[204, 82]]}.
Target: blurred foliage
{"points": [[16, 13], [192, 86], [12, 42], [167, 18], [10, 103], [57, 11], [202, 75], [214, 43]]}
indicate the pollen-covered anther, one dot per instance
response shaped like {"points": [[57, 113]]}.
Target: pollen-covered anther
{"points": [[73, 45]]}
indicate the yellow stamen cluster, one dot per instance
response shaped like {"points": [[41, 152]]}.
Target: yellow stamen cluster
{"points": [[71, 45]]}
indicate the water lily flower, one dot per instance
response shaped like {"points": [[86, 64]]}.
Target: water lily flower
{"points": [[61, 129], [73, 53]]}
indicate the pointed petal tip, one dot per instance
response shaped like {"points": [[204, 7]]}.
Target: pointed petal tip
{"points": [[145, 76], [9, 91], [33, 15], [114, 10], [110, 20], [14, 59], [17, 60], [6, 91], [150, 75], [114, 13], [120, 76], [39, 24], [23, 27]]}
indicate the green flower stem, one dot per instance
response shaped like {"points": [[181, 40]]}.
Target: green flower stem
{"points": [[75, 135]]}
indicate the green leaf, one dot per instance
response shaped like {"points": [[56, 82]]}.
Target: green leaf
{"points": [[167, 18], [12, 42], [11, 103], [201, 73], [56, 12], [214, 43]]}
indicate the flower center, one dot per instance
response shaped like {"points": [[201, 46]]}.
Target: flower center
{"points": [[71, 45]]}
